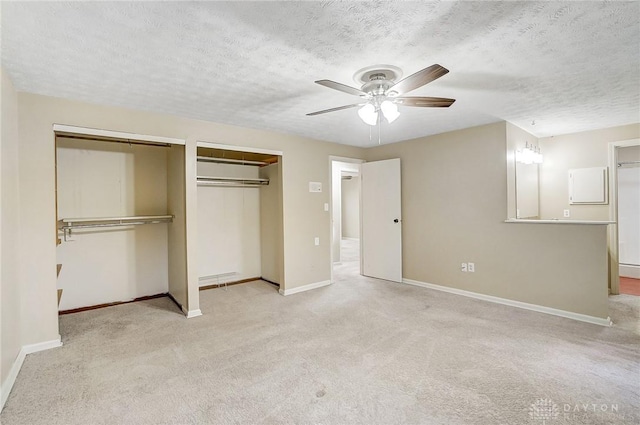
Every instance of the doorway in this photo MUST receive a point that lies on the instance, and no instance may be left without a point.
(628, 189)
(345, 218)
(624, 235)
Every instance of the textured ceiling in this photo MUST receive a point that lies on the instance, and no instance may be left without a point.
(570, 66)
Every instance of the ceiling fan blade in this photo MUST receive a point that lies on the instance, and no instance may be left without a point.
(424, 102)
(419, 79)
(339, 108)
(341, 87)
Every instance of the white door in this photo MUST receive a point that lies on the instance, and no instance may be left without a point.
(381, 220)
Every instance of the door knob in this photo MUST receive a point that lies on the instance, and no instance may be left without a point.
(396, 220)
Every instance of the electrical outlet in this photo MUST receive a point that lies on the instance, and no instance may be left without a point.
(316, 241)
(567, 213)
(463, 267)
(471, 267)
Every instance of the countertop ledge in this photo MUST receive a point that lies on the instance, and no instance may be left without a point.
(556, 221)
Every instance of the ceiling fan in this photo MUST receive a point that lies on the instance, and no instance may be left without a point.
(382, 92)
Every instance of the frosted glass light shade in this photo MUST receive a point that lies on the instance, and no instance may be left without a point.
(368, 114)
(389, 110)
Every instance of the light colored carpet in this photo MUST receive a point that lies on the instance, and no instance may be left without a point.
(361, 351)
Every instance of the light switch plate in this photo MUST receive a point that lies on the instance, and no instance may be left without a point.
(326, 206)
(316, 241)
(471, 267)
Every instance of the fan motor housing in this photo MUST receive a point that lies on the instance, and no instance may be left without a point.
(377, 79)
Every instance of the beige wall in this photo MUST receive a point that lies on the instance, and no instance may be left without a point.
(10, 330)
(271, 224)
(176, 237)
(454, 205)
(304, 217)
(351, 208)
(629, 153)
(577, 150)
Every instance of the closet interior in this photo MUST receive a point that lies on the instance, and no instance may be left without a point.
(120, 209)
(239, 200)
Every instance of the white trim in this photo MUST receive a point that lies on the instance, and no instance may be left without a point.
(513, 303)
(303, 288)
(41, 346)
(86, 131)
(193, 313)
(630, 270)
(189, 314)
(7, 385)
(203, 144)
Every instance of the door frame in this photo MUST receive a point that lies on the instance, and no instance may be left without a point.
(613, 248)
(333, 159)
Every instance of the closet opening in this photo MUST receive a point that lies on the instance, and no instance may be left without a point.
(119, 208)
(239, 203)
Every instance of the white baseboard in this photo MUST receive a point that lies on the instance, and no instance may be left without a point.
(304, 288)
(41, 346)
(7, 385)
(629, 270)
(193, 313)
(513, 303)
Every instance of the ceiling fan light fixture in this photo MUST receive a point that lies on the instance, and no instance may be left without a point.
(368, 114)
(389, 110)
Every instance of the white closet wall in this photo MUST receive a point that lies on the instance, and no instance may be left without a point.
(228, 226)
(106, 179)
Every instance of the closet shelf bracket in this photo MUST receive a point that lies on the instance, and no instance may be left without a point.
(68, 224)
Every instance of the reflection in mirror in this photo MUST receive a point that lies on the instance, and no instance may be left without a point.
(527, 194)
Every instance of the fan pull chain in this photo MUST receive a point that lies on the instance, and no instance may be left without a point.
(379, 127)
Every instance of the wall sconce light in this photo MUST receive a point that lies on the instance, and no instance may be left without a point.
(529, 155)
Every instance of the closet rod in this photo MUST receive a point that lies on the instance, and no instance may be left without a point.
(623, 163)
(106, 219)
(232, 180)
(222, 184)
(230, 161)
(84, 223)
